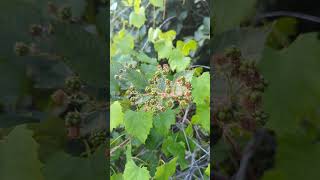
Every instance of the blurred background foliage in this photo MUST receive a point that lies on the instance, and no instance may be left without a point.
(286, 48)
(71, 41)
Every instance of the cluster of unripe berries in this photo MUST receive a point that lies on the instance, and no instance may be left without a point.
(121, 74)
(245, 103)
(62, 13)
(162, 93)
(97, 137)
(75, 99)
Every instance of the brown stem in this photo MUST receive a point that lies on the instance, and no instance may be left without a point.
(124, 143)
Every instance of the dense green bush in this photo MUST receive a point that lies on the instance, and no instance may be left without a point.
(160, 97)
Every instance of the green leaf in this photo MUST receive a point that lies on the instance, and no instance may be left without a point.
(50, 135)
(176, 149)
(178, 61)
(157, 3)
(142, 57)
(12, 87)
(137, 79)
(201, 88)
(101, 20)
(153, 34)
(138, 124)
(185, 48)
(292, 97)
(168, 36)
(11, 119)
(19, 156)
(82, 51)
(207, 171)
(118, 176)
(124, 42)
(148, 70)
(137, 19)
(128, 2)
(136, 6)
(251, 41)
(294, 154)
(165, 171)
(202, 116)
(293, 84)
(133, 172)
(93, 167)
(163, 48)
(227, 17)
(164, 120)
(116, 115)
(283, 29)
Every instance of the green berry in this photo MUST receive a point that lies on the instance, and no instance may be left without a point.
(73, 83)
(233, 53)
(22, 49)
(183, 103)
(170, 104)
(36, 30)
(65, 13)
(73, 118)
(168, 82)
(221, 115)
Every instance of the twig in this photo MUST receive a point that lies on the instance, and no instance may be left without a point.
(247, 154)
(289, 14)
(165, 21)
(185, 115)
(124, 143)
(206, 67)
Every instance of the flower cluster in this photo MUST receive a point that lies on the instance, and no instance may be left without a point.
(245, 86)
(74, 99)
(162, 92)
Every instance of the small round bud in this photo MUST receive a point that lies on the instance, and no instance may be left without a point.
(168, 82)
(65, 13)
(159, 68)
(153, 92)
(157, 74)
(133, 99)
(21, 49)
(78, 99)
(59, 97)
(36, 30)
(187, 93)
(233, 53)
(166, 68)
(73, 83)
(170, 104)
(50, 29)
(254, 96)
(188, 85)
(52, 8)
(73, 118)
(147, 89)
(221, 115)
(183, 103)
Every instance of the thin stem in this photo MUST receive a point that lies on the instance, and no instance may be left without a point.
(206, 67)
(117, 139)
(289, 14)
(124, 143)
